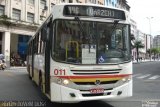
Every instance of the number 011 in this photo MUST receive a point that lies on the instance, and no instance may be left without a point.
(59, 72)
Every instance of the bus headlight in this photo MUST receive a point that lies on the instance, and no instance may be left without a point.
(60, 81)
(65, 82)
(126, 79)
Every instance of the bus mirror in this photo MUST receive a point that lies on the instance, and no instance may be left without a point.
(44, 34)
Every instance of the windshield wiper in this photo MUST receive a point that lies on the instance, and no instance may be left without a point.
(82, 30)
(80, 25)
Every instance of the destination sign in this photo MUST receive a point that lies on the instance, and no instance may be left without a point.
(92, 11)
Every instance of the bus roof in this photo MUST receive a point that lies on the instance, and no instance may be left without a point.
(87, 11)
(87, 4)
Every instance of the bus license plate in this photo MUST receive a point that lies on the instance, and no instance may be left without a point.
(96, 91)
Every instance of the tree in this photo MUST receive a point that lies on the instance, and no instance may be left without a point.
(138, 44)
(155, 51)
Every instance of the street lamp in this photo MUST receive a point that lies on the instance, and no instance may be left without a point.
(149, 19)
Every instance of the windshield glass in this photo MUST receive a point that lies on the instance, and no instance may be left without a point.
(97, 43)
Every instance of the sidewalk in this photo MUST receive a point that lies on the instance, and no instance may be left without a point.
(15, 68)
(143, 61)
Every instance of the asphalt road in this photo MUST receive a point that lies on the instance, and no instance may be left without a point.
(146, 86)
(16, 86)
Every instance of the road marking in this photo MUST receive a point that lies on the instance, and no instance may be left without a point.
(144, 76)
(154, 77)
(136, 75)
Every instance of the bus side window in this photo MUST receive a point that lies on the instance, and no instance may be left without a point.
(34, 45)
(41, 43)
(44, 33)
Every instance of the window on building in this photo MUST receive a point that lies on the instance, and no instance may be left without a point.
(70, 1)
(43, 4)
(18, 0)
(42, 18)
(52, 4)
(112, 3)
(31, 2)
(94, 1)
(16, 14)
(107, 2)
(30, 17)
(1, 10)
(1, 36)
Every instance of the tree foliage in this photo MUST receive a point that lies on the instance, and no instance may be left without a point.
(155, 50)
(138, 44)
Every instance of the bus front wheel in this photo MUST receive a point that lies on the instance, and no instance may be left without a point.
(40, 81)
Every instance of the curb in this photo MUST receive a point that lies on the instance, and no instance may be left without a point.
(144, 62)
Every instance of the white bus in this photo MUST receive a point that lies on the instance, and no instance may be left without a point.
(82, 52)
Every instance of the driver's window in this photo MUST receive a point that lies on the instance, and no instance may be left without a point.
(104, 42)
(119, 39)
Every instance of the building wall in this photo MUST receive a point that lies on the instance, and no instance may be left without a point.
(112, 3)
(156, 41)
(122, 4)
(142, 37)
(24, 6)
(133, 32)
(3, 2)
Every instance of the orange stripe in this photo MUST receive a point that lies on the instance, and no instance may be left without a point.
(93, 76)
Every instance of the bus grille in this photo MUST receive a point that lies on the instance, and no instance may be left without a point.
(93, 83)
(95, 72)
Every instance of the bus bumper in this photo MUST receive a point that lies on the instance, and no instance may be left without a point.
(60, 93)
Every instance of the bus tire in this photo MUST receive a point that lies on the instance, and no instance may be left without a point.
(29, 76)
(40, 81)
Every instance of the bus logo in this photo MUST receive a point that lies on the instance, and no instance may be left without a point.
(98, 82)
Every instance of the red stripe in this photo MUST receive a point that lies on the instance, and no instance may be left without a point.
(94, 76)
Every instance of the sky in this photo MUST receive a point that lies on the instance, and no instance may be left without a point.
(140, 10)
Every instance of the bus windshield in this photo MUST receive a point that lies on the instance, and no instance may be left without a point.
(97, 43)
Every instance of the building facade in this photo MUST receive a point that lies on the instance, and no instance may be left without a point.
(19, 20)
(148, 45)
(142, 37)
(134, 33)
(122, 4)
(156, 41)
